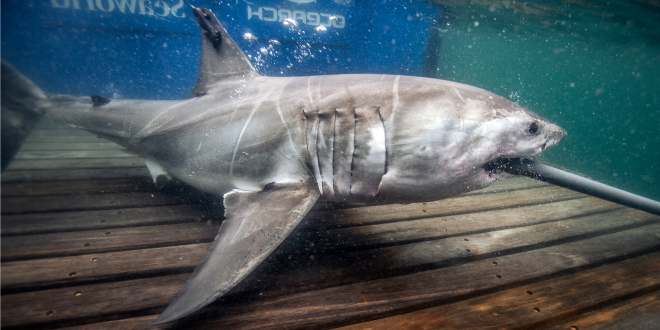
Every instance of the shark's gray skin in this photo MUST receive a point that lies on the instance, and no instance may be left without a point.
(273, 146)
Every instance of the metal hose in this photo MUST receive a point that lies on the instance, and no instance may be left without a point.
(571, 181)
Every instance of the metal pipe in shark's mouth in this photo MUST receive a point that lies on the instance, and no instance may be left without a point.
(571, 181)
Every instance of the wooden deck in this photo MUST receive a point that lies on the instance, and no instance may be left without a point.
(88, 243)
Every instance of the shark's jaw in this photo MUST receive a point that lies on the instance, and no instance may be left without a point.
(491, 170)
(503, 165)
(494, 169)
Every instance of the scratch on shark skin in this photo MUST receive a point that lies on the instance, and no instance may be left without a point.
(459, 94)
(288, 132)
(128, 132)
(395, 95)
(151, 126)
(240, 136)
(318, 88)
(296, 159)
(309, 92)
(279, 112)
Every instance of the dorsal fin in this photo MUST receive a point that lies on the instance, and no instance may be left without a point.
(221, 57)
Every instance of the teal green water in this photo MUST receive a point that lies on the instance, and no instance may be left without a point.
(593, 71)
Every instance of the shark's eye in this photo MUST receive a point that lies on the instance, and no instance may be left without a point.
(533, 127)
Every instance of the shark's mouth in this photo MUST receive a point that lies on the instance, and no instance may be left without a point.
(516, 166)
(495, 168)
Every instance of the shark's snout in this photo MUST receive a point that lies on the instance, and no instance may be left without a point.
(548, 135)
(554, 136)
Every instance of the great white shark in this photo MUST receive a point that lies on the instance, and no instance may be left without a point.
(273, 146)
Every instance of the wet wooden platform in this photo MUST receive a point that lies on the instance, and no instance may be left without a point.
(88, 243)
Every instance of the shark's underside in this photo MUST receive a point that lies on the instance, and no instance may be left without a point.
(272, 146)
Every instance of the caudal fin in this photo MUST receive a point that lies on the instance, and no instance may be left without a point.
(22, 107)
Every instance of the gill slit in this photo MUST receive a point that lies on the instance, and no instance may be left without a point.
(355, 133)
(318, 159)
(380, 115)
(288, 131)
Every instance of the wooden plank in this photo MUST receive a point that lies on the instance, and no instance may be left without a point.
(45, 146)
(451, 206)
(65, 164)
(393, 294)
(637, 313)
(77, 187)
(439, 227)
(12, 189)
(509, 183)
(89, 303)
(465, 246)
(39, 273)
(46, 123)
(369, 235)
(58, 154)
(26, 224)
(69, 131)
(136, 323)
(26, 204)
(37, 137)
(145, 184)
(351, 267)
(61, 130)
(78, 174)
(538, 304)
(99, 241)
(354, 302)
(21, 205)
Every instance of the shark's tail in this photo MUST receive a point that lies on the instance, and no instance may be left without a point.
(23, 104)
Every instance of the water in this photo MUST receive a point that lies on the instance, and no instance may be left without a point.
(591, 67)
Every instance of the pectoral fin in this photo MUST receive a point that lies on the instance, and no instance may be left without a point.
(256, 223)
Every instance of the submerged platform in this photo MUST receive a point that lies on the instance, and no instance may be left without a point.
(89, 243)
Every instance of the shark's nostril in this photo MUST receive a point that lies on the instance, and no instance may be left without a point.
(543, 146)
